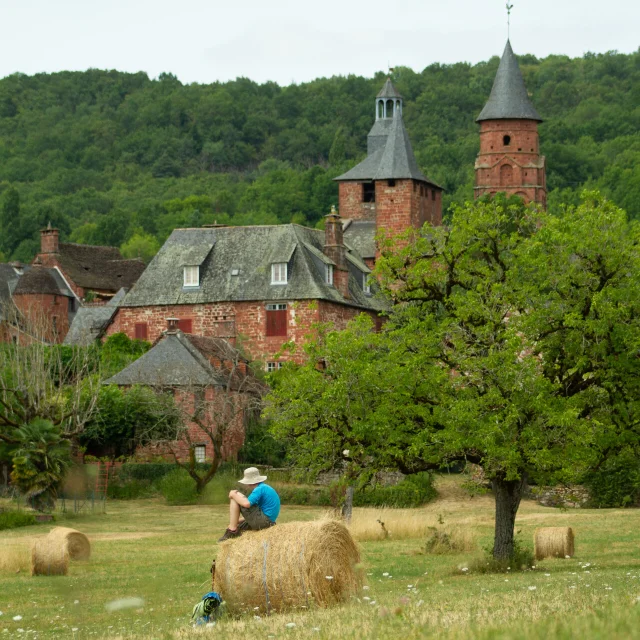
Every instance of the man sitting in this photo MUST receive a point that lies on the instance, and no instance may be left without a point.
(259, 511)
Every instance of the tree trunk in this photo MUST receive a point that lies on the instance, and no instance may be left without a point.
(508, 495)
(347, 509)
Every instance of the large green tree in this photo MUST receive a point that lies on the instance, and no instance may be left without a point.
(512, 343)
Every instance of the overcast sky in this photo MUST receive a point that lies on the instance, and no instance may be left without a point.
(297, 40)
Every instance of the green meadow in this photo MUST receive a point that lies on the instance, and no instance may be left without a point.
(160, 554)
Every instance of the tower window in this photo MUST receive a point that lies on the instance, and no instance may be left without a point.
(391, 183)
(369, 192)
(389, 108)
(380, 108)
(506, 140)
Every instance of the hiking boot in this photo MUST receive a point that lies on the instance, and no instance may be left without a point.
(228, 534)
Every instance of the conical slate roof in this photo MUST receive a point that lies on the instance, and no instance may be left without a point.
(394, 161)
(509, 98)
(388, 91)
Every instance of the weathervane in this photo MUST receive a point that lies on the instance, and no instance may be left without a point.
(509, 7)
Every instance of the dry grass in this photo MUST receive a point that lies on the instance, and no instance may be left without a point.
(14, 558)
(396, 524)
(49, 558)
(77, 543)
(450, 539)
(288, 566)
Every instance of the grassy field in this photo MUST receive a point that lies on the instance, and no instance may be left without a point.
(162, 554)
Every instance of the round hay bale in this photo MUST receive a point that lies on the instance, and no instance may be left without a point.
(77, 543)
(287, 566)
(49, 558)
(553, 542)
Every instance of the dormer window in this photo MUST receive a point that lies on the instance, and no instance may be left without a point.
(279, 273)
(366, 287)
(328, 273)
(192, 276)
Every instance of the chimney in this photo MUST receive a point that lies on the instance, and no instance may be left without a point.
(49, 240)
(334, 248)
(172, 325)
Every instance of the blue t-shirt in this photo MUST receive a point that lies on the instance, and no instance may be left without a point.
(267, 499)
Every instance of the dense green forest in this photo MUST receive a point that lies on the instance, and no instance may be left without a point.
(116, 158)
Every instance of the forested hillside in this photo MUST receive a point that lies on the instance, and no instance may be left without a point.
(119, 159)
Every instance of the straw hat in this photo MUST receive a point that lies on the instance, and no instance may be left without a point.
(252, 476)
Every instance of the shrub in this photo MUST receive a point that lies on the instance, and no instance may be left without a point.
(178, 488)
(615, 484)
(448, 540)
(131, 490)
(310, 496)
(413, 491)
(217, 491)
(522, 559)
(14, 519)
(149, 471)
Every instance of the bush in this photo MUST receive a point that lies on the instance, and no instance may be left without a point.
(217, 491)
(413, 491)
(178, 488)
(149, 471)
(310, 496)
(522, 559)
(14, 519)
(448, 540)
(616, 484)
(131, 490)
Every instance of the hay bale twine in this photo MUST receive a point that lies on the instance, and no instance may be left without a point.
(77, 543)
(49, 558)
(553, 542)
(288, 566)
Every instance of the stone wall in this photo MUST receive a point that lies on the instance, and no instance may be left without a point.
(571, 497)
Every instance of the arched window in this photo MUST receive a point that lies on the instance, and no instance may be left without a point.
(506, 174)
(398, 105)
(506, 140)
(380, 108)
(389, 108)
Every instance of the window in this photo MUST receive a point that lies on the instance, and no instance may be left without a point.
(192, 276)
(368, 192)
(70, 305)
(276, 319)
(185, 325)
(391, 183)
(506, 140)
(433, 194)
(141, 331)
(328, 273)
(274, 366)
(366, 287)
(381, 109)
(200, 451)
(279, 273)
(389, 108)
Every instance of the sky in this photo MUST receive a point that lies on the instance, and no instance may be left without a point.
(296, 40)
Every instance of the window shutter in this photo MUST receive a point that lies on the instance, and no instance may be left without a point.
(185, 325)
(141, 331)
(277, 323)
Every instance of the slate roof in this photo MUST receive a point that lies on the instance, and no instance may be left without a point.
(248, 252)
(177, 360)
(395, 160)
(43, 280)
(90, 322)
(388, 90)
(9, 277)
(509, 99)
(361, 236)
(101, 268)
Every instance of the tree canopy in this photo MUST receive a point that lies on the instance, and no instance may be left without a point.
(512, 344)
(121, 159)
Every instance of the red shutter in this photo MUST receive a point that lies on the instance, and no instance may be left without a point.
(141, 331)
(277, 323)
(185, 325)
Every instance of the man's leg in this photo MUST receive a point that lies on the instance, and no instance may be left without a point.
(234, 515)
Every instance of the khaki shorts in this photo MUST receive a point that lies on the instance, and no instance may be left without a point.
(255, 519)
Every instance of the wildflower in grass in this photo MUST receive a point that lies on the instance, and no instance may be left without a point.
(372, 602)
(17, 618)
(76, 602)
(329, 577)
(316, 629)
(386, 574)
(74, 628)
(547, 574)
(532, 588)
(257, 618)
(290, 625)
(366, 598)
(366, 587)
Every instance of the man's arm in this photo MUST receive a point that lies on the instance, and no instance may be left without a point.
(240, 498)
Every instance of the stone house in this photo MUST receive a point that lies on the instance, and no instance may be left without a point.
(212, 385)
(261, 286)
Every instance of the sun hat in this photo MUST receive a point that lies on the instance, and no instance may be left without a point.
(252, 476)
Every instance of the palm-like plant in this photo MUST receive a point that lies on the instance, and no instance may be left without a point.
(40, 463)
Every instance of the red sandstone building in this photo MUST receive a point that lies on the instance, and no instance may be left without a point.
(509, 160)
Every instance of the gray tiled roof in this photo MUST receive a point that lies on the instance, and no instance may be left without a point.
(42, 280)
(172, 362)
(90, 322)
(361, 235)
(249, 253)
(395, 160)
(388, 90)
(509, 98)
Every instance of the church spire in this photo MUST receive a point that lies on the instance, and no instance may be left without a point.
(509, 99)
